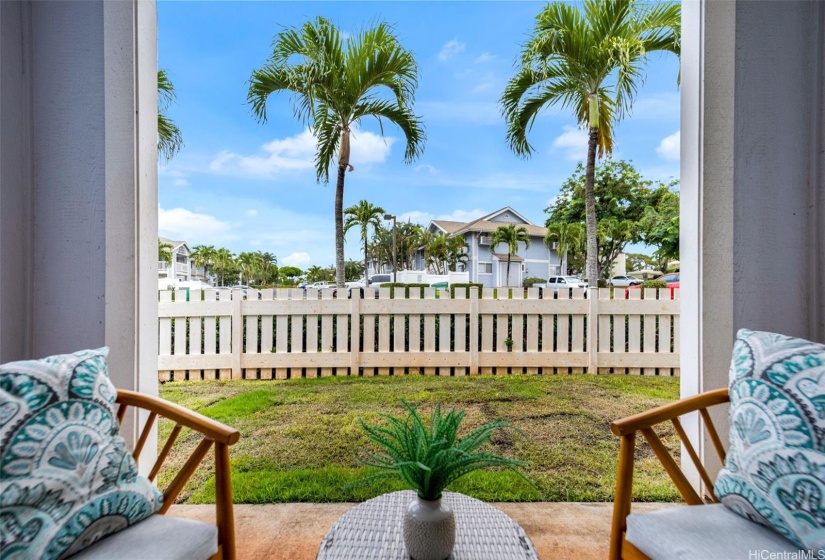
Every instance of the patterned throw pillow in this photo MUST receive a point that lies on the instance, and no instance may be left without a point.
(66, 477)
(775, 468)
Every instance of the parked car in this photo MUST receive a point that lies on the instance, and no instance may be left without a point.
(624, 281)
(377, 279)
(557, 282)
(671, 279)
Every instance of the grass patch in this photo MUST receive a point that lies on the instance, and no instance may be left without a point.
(298, 436)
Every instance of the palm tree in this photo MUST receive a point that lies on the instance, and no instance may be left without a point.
(364, 215)
(224, 262)
(457, 252)
(170, 140)
(511, 236)
(164, 252)
(269, 267)
(590, 62)
(567, 236)
(250, 264)
(336, 82)
(203, 256)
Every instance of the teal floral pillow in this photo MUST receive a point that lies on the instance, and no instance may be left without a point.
(775, 468)
(66, 477)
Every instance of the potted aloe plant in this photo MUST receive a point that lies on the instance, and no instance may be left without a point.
(427, 455)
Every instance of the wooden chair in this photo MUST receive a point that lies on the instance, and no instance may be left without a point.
(214, 433)
(627, 428)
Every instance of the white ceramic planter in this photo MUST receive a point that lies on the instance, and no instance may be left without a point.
(429, 529)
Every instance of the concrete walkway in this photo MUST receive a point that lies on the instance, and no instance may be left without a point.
(579, 531)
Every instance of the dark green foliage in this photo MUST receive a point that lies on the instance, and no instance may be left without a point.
(428, 455)
(530, 282)
(466, 287)
(406, 286)
(654, 284)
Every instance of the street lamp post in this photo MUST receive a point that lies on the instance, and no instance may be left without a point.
(394, 258)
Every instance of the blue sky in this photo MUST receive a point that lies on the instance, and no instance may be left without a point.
(248, 187)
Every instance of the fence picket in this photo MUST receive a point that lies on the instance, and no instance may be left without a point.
(604, 329)
(444, 331)
(577, 325)
(486, 331)
(429, 330)
(210, 340)
(532, 335)
(460, 332)
(165, 333)
(384, 329)
(369, 332)
(225, 334)
(634, 342)
(649, 343)
(311, 332)
(326, 332)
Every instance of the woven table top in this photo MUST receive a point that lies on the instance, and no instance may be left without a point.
(372, 530)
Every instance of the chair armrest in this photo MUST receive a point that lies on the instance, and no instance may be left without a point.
(627, 428)
(212, 429)
(667, 412)
(214, 433)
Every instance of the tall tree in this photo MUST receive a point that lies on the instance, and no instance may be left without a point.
(591, 61)
(568, 237)
(250, 265)
(170, 140)
(364, 214)
(223, 264)
(457, 252)
(336, 82)
(203, 256)
(268, 264)
(164, 252)
(660, 228)
(511, 236)
(622, 197)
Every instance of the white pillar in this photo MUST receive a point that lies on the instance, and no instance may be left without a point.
(79, 184)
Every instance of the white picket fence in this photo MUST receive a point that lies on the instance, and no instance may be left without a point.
(286, 334)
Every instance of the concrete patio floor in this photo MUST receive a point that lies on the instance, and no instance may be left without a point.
(577, 531)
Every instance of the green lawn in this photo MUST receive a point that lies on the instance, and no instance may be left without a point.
(298, 436)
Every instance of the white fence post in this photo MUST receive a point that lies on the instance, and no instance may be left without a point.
(593, 331)
(237, 333)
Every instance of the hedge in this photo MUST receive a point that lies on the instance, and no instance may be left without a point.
(466, 287)
(529, 282)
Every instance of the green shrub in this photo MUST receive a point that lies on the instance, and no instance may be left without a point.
(654, 284)
(602, 283)
(466, 287)
(529, 282)
(406, 286)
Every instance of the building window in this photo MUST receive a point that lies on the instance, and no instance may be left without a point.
(485, 268)
(181, 258)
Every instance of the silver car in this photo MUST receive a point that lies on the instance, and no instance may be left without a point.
(556, 282)
(624, 281)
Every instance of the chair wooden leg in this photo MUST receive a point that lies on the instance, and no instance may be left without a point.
(223, 502)
(623, 495)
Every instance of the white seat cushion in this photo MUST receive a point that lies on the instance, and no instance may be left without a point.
(702, 533)
(159, 537)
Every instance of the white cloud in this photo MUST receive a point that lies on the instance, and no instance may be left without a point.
(180, 182)
(485, 57)
(296, 153)
(195, 228)
(450, 49)
(669, 147)
(426, 168)
(251, 212)
(424, 218)
(301, 260)
(658, 106)
(481, 112)
(573, 142)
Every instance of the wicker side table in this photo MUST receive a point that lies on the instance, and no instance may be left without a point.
(372, 530)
